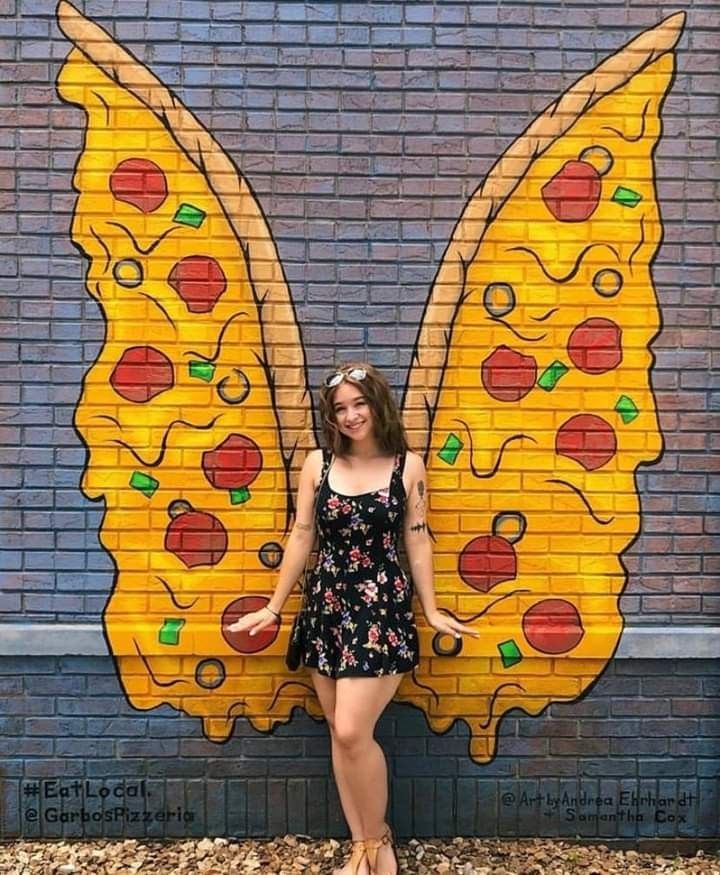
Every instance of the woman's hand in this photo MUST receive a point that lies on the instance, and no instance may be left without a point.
(255, 621)
(449, 625)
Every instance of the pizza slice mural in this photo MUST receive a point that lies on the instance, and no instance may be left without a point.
(530, 394)
(196, 413)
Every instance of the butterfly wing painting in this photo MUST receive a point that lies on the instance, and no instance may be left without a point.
(196, 413)
(529, 394)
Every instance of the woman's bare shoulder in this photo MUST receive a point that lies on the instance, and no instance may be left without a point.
(313, 462)
(414, 465)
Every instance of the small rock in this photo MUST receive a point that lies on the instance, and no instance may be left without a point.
(203, 848)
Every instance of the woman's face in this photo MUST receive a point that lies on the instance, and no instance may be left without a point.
(353, 414)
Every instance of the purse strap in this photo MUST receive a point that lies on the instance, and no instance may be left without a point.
(327, 462)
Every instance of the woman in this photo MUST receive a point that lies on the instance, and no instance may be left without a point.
(358, 629)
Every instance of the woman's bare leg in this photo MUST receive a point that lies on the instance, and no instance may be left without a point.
(359, 702)
(325, 689)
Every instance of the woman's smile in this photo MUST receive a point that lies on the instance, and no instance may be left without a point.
(352, 411)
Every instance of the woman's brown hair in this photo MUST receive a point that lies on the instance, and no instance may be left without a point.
(389, 428)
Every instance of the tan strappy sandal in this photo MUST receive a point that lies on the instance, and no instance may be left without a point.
(372, 846)
(358, 855)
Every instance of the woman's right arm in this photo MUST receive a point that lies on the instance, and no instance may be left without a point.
(297, 549)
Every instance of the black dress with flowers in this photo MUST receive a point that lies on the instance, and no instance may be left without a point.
(358, 617)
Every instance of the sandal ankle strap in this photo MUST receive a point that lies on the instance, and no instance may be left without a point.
(373, 845)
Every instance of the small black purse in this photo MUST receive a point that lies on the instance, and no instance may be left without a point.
(294, 648)
(295, 642)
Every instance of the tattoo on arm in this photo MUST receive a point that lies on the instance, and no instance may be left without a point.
(420, 504)
(419, 527)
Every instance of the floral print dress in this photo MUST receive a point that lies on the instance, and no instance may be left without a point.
(358, 617)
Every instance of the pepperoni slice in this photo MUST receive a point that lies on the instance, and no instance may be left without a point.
(141, 374)
(553, 626)
(243, 642)
(196, 538)
(573, 194)
(139, 182)
(595, 346)
(586, 439)
(508, 375)
(486, 561)
(199, 280)
(235, 463)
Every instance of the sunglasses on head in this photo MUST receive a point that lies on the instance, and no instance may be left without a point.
(353, 373)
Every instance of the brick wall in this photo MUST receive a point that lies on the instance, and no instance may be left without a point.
(363, 130)
(640, 732)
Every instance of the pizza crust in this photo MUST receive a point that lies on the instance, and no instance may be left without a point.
(276, 312)
(429, 358)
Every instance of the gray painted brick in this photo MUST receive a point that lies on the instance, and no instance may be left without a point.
(498, 767)
(175, 768)
(615, 728)
(109, 769)
(422, 806)
(169, 727)
(10, 602)
(216, 793)
(294, 768)
(272, 747)
(256, 808)
(55, 726)
(669, 727)
(45, 685)
(26, 747)
(96, 706)
(21, 665)
(546, 768)
(11, 726)
(709, 727)
(232, 768)
(9, 808)
(85, 747)
(670, 767)
(13, 768)
(708, 768)
(150, 748)
(638, 746)
(316, 811)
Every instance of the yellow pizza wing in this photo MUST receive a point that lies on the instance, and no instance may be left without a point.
(196, 413)
(530, 396)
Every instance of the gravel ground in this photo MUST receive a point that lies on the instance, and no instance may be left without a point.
(300, 854)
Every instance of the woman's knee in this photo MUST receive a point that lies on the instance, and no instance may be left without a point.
(349, 736)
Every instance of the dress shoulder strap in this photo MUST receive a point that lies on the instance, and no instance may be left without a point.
(397, 476)
(326, 460)
(326, 457)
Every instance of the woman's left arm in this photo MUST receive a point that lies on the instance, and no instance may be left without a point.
(418, 547)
